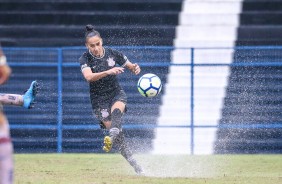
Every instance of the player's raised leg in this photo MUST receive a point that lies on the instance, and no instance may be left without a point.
(115, 127)
(25, 100)
(107, 144)
(29, 96)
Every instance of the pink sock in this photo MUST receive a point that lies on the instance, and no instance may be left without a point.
(6, 161)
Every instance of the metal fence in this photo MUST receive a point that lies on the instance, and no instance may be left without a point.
(64, 58)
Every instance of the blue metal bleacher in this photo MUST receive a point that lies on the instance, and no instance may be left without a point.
(253, 94)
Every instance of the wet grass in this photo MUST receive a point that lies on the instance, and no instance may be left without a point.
(159, 169)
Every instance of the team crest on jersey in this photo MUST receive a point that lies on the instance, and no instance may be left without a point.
(111, 62)
(104, 113)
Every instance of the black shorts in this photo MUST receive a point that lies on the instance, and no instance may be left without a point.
(102, 105)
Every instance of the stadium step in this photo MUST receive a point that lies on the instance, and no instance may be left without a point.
(102, 5)
(262, 5)
(59, 42)
(120, 23)
(270, 18)
(97, 18)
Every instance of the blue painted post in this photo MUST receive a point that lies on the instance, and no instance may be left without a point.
(60, 109)
(192, 101)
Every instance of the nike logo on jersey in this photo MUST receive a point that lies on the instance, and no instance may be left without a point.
(83, 66)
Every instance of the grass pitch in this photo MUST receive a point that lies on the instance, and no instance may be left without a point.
(159, 169)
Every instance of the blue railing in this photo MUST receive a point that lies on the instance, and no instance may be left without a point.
(60, 64)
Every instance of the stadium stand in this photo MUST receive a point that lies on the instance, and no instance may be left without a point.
(253, 94)
(61, 23)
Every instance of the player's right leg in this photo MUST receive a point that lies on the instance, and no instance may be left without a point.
(108, 144)
(29, 96)
(25, 100)
(11, 99)
(6, 152)
(109, 139)
(115, 128)
(102, 113)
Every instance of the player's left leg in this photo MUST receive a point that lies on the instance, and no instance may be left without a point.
(127, 153)
(6, 152)
(25, 100)
(6, 161)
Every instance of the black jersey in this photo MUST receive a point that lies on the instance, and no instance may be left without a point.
(108, 84)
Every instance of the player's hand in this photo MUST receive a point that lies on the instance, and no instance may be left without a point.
(136, 69)
(5, 72)
(115, 71)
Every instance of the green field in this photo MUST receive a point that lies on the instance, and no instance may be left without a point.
(113, 169)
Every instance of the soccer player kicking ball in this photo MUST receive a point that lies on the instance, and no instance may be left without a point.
(108, 99)
(26, 100)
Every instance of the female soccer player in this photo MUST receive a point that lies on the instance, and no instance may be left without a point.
(108, 99)
(26, 100)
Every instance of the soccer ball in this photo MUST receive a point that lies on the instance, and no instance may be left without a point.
(149, 85)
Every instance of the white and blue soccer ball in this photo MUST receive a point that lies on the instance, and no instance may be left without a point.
(149, 85)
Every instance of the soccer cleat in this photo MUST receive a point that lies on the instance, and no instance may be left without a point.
(29, 95)
(139, 170)
(107, 144)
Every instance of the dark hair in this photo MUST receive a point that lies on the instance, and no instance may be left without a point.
(90, 31)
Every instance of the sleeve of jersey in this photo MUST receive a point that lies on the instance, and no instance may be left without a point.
(83, 63)
(122, 59)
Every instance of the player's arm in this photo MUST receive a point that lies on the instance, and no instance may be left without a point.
(91, 77)
(124, 62)
(133, 67)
